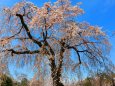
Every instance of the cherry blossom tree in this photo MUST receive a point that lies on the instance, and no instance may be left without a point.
(49, 37)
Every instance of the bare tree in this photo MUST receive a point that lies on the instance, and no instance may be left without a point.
(51, 39)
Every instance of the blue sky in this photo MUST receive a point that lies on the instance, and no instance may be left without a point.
(97, 12)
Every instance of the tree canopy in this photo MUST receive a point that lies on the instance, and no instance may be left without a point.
(52, 40)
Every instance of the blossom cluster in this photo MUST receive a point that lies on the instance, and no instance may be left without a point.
(54, 14)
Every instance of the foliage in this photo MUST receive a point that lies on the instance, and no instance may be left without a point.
(87, 82)
(100, 79)
(24, 82)
(5, 80)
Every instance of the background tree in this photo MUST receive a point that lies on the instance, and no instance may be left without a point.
(52, 40)
(5, 80)
(24, 82)
(87, 82)
(107, 79)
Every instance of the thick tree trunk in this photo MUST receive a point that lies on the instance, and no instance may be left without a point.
(55, 74)
(56, 70)
(56, 79)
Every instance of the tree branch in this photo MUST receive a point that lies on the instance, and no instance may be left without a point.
(77, 51)
(22, 52)
(27, 30)
(59, 69)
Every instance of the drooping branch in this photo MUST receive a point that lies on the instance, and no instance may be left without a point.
(77, 51)
(13, 35)
(16, 33)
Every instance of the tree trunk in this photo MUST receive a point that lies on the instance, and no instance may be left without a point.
(113, 84)
(55, 74)
(56, 79)
(56, 70)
